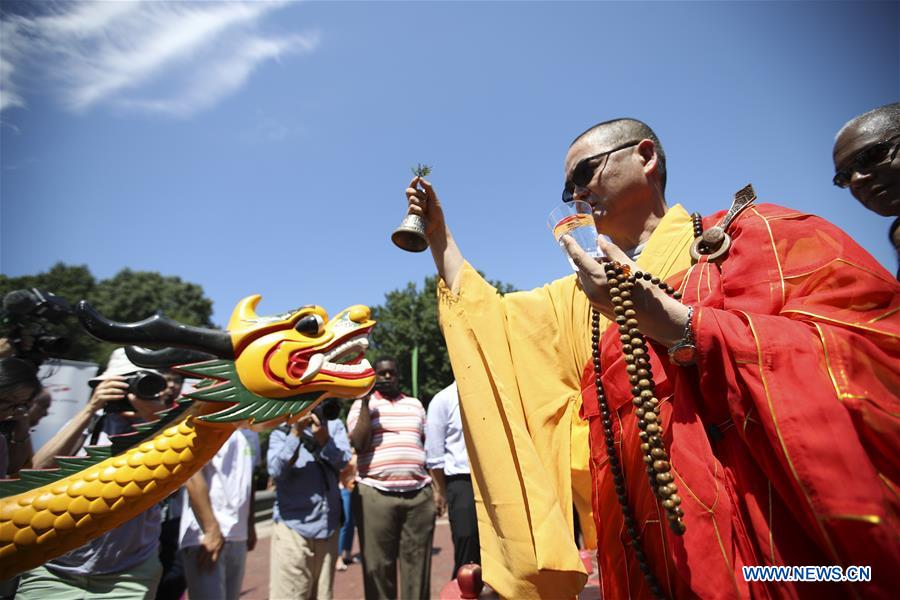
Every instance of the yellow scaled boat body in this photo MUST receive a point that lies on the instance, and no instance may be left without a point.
(269, 354)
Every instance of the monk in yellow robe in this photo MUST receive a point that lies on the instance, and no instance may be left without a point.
(779, 408)
(518, 360)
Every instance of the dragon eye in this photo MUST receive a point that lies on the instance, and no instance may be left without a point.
(310, 325)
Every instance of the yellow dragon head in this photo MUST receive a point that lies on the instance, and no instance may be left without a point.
(264, 367)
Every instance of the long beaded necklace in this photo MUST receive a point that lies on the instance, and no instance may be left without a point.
(634, 346)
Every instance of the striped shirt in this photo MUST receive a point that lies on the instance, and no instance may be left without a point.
(395, 460)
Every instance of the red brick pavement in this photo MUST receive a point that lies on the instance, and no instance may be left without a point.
(348, 585)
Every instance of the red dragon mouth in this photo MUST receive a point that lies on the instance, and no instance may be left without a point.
(343, 358)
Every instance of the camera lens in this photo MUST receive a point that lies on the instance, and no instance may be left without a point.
(145, 384)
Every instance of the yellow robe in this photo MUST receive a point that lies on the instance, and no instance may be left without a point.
(518, 361)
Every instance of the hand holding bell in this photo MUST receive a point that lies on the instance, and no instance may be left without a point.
(410, 235)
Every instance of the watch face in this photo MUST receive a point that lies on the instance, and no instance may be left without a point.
(684, 355)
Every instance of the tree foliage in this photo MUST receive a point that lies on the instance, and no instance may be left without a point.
(128, 296)
(409, 318)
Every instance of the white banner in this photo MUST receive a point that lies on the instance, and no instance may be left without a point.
(67, 382)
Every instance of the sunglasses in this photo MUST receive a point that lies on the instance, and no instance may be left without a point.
(865, 159)
(584, 172)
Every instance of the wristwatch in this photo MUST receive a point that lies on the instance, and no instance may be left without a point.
(683, 353)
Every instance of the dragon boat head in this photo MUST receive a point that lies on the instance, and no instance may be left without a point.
(264, 368)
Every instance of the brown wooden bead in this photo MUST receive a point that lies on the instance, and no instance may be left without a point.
(650, 417)
(661, 466)
(646, 394)
(652, 428)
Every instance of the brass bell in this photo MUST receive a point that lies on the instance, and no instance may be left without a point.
(410, 235)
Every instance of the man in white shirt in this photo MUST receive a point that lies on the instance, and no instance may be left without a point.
(216, 524)
(448, 463)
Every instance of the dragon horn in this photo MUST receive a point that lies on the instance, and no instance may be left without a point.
(165, 358)
(155, 331)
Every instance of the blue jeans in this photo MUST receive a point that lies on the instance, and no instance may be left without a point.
(224, 581)
(345, 540)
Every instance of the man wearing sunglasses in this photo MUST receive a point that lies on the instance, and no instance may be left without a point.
(772, 342)
(866, 161)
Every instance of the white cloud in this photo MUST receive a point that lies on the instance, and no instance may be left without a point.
(171, 58)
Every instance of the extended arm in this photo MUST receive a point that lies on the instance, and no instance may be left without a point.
(448, 258)
(361, 436)
(71, 437)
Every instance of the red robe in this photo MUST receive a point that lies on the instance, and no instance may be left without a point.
(784, 438)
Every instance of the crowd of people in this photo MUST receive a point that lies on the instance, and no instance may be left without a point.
(755, 380)
(198, 538)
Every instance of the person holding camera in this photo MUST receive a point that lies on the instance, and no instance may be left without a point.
(304, 460)
(18, 387)
(123, 563)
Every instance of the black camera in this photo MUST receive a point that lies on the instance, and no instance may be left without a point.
(143, 384)
(27, 317)
(327, 410)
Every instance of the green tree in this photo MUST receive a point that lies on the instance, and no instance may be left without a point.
(128, 296)
(409, 319)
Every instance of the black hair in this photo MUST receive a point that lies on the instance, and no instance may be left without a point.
(15, 371)
(624, 130)
(386, 358)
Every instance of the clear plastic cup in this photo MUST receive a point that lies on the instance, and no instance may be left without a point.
(577, 220)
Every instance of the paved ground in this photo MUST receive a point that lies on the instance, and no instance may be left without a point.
(348, 585)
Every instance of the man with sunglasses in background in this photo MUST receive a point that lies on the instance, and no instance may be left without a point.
(866, 161)
(779, 427)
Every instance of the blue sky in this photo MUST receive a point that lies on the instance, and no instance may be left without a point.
(265, 148)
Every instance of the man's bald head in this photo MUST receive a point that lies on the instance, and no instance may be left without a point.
(866, 159)
(878, 120)
(622, 131)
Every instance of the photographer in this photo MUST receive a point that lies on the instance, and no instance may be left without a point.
(304, 460)
(18, 386)
(122, 563)
(27, 321)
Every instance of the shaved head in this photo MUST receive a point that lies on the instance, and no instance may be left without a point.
(622, 131)
(879, 120)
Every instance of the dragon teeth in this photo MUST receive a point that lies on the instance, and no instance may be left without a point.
(312, 369)
(360, 344)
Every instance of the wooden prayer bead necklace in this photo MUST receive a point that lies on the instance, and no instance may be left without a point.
(622, 281)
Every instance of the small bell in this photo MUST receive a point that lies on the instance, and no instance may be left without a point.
(410, 235)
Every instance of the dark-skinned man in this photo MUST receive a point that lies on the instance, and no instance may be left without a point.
(866, 161)
(393, 501)
(756, 421)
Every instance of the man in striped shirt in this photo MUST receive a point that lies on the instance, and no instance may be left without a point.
(393, 501)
